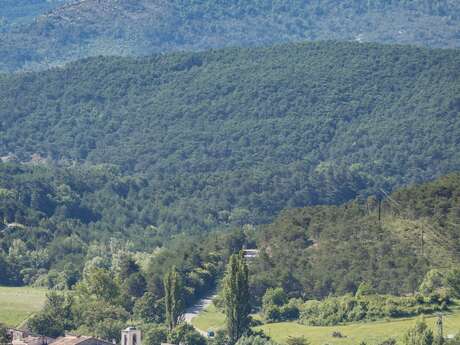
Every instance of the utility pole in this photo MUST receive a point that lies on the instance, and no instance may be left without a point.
(423, 243)
(439, 326)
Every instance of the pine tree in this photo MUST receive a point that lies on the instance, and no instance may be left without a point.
(173, 298)
(236, 297)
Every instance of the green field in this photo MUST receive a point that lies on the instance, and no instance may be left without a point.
(18, 303)
(371, 332)
(210, 318)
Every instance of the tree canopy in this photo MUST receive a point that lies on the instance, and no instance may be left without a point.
(414, 240)
(232, 137)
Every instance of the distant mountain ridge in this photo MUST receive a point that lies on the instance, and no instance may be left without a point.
(14, 12)
(139, 27)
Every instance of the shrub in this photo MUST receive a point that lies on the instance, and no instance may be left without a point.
(275, 296)
(389, 341)
(254, 340)
(276, 306)
(453, 282)
(420, 334)
(336, 310)
(337, 334)
(297, 341)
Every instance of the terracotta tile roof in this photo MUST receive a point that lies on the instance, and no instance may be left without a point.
(70, 340)
(75, 340)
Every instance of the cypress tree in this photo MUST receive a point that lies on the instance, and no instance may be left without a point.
(173, 298)
(236, 297)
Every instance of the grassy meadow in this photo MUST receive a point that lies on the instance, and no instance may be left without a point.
(208, 319)
(18, 303)
(371, 332)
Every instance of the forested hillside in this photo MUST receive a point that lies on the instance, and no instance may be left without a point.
(49, 217)
(56, 221)
(138, 27)
(231, 137)
(416, 230)
(82, 229)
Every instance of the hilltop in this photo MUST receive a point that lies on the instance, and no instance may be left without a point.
(16, 12)
(233, 136)
(85, 28)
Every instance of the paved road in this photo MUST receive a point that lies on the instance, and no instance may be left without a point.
(196, 309)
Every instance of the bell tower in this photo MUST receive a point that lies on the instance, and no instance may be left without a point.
(131, 336)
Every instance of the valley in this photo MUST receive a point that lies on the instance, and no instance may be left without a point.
(215, 172)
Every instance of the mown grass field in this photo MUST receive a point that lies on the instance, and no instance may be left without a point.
(371, 332)
(18, 303)
(210, 318)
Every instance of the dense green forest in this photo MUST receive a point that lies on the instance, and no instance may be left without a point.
(50, 217)
(415, 235)
(139, 27)
(53, 221)
(231, 137)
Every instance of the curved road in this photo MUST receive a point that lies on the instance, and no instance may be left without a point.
(197, 308)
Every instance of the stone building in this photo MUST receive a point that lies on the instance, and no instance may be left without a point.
(24, 337)
(131, 336)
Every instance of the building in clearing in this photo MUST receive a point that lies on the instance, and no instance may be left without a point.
(250, 254)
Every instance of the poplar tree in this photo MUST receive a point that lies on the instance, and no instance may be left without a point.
(173, 298)
(236, 297)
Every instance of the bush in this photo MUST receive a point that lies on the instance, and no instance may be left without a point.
(275, 297)
(336, 310)
(434, 279)
(276, 306)
(389, 341)
(187, 335)
(155, 335)
(337, 334)
(420, 334)
(453, 282)
(254, 340)
(4, 336)
(297, 341)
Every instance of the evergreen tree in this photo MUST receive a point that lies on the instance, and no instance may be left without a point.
(420, 334)
(236, 297)
(174, 303)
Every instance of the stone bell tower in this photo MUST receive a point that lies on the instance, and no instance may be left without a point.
(131, 336)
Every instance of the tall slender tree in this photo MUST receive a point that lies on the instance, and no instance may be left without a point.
(236, 297)
(174, 301)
